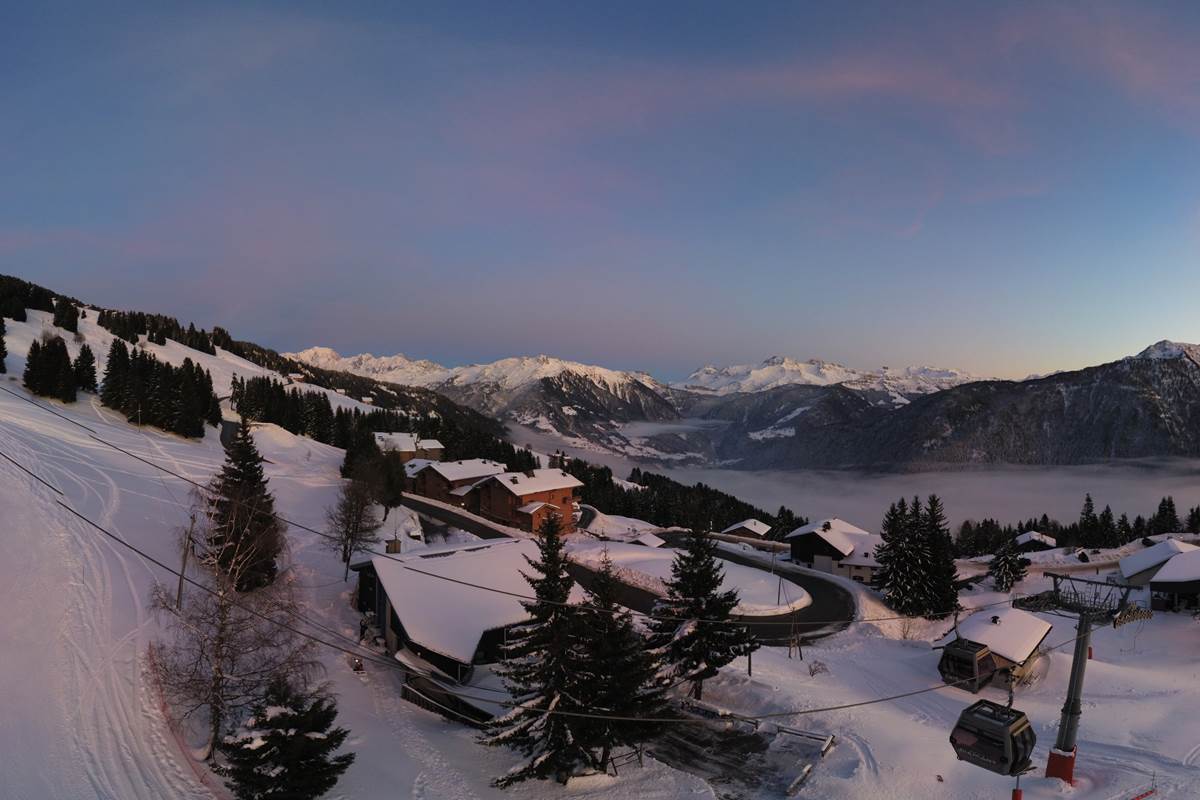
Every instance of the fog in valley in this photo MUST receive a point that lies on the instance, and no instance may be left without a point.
(1006, 493)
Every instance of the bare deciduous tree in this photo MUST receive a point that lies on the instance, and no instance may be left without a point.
(351, 521)
(224, 646)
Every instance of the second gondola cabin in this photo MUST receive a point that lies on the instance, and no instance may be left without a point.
(1010, 636)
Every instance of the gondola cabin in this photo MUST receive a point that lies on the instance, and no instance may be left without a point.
(995, 737)
(967, 665)
(1012, 636)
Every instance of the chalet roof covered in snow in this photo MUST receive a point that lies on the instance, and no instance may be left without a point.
(1014, 635)
(751, 526)
(523, 484)
(467, 470)
(405, 442)
(449, 618)
(1181, 568)
(1034, 536)
(412, 467)
(834, 525)
(530, 508)
(1153, 556)
(648, 539)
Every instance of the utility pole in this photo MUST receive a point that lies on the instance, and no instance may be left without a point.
(187, 548)
(1061, 763)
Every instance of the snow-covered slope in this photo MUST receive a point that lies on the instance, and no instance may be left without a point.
(394, 369)
(780, 371)
(1165, 349)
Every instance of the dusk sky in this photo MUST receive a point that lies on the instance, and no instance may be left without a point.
(656, 186)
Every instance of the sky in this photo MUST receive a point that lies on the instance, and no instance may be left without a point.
(1003, 188)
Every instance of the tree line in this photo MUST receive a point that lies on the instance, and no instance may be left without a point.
(130, 325)
(151, 392)
(16, 295)
(666, 502)
(1090, 531)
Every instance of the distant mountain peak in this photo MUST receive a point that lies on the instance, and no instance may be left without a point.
(778, 371)
(1166, 349)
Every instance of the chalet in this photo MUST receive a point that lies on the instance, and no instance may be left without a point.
(430, 617)
(411, 468)
(1177, 584)
(410, 447)
(1142, 567)
(449, 481)
(648, 539)
(526, 499)
(750, 528)
(1032, 541)
(1013, 636)
(835, 546)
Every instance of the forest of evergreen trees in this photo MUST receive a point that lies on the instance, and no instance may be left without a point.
(151, 392)
(129, 325)
(666, 502)
(17, 295)
(1092, 530)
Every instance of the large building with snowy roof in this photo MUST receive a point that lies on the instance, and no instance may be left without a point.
(1142, 567)
(526, 499)
(1033, 541)
(835, 546)
(445, 613)
(450, 481)
(1013, 636)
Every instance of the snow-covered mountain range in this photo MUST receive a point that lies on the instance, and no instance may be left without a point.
(780, 371)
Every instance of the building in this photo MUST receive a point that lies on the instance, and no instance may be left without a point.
(526, 499)
(648, 539)
(1012, 635)
(410, 447)
(835, 546)
(1177, 584)
(1032, 541)
(449, 481)
(750, 528)
(446, 613)
(1142, 567)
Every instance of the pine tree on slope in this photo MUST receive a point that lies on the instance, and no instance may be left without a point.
(244, 526)
(3, 349)
(116, 375)
(620, 675)
(542, 669)
(1007, 567)
(85, 369)
(904, 559)
(285, 750)
(66, 316)
(694, 638)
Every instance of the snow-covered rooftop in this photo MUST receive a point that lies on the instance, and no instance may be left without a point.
(1153, 556)
(448, 617)
(538, 480)
(752, 525)
(1182, 568)
(833, 524)
(413, 466)
(1015, 634)
(469, 469)
(648, 539)
(405, 442)
(530, 508)
(856, 545)
(1034, 536)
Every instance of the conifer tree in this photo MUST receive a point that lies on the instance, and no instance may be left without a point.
(620, 675)
(943, 575)
(1007, 567)
(48, 369)
(1124, 529)
(286, 749)
(244, 526)
(32, 377)
(694, 637)
(66, 316)
(116, 375)
(542, 670)
(904, 557)
(1088, 523)
(1106, 529)
(3, 348)
(85, 369)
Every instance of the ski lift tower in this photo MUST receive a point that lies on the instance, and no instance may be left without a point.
(1092, 601)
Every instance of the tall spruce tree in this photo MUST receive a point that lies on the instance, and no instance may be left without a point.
(85, 369)
(543, 668)
(244, 526)
(693, 636)
(116, 375)
(943, 575)
(620, 674)
(1007, 567)
(1089, 523)
(48, 370)
(3, 348)
(904, 559)
(286, 749)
